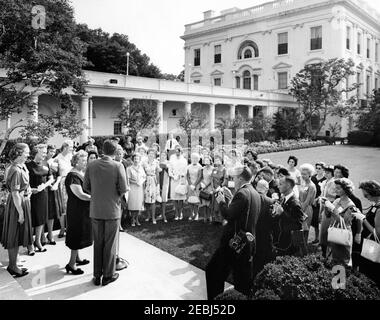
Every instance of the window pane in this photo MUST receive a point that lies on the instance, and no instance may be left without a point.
(316, 38)
(359, 43)
(247, 83)
(218, 49)
(348, 38)
(247, 54)
(282, 80)
(237, 82)
(283, 48)
(117, 128)
(255, 82)
(197, 57)
(283, 38)
(218, 82)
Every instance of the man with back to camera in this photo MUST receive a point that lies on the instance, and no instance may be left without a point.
(105, 180)
(245, 202)
(290, 216)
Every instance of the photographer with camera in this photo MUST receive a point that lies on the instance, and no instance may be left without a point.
(237, 246)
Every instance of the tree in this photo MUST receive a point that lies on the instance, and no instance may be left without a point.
(260, 125)
(141, 115)
(193, 120)
(369, 116)
(319, 89)
(40, 53)
(107, 53)
(287, 125)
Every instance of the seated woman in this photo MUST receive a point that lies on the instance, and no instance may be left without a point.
(343, 207)
(79, 229)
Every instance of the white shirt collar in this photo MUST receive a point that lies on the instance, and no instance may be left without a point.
(288, 196)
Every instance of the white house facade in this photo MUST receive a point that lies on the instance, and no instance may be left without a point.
(263, 47)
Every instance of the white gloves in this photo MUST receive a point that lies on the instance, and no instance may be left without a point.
(358, 215)
(329, 205)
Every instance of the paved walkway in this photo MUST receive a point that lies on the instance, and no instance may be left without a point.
(152, 275)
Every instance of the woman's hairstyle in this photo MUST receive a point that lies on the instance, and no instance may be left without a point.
(346, 184)
(320, 164)
(195, 155)
(51, 147)
(151, 150)
(207, 157)
(76, 157)
(308, 167)
(329, 169)
(135, 155)
(260, 163)
(253, 154)
(233, 152)
(37, 148)
(283, 171)
(17, 150)
(91, 140)
(295, 159)
(218, 156)
(345, 171)
(67, 143)
(178, 148)
(91, 153)
(372, 187)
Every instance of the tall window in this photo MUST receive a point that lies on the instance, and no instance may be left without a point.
(348, 38)
(237, 79)
(316, 38)
(282, 80)
(247, 80)
(247, 53)
(368, 48)
(218, 54)
(377, 52)
(117, 128)
(197, 57)
(217, 82)
(255, 82)
(368, 85)
(376, 84)
(283, 43)
(359, 42)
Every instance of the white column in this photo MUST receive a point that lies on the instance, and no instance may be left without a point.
(33, 108)
(84, 117)
(90, 118)
(8, 123)
(344, 125)
(160, 112)
(188, 107)
(232, 111)
(212, 116)
(250, 112)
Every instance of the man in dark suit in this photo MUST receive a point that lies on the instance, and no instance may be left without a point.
(105, 180)
(241, 214)
(290, 217)
(265, 252)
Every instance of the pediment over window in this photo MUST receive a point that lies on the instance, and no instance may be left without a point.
(313, 61)
(369, 69)
(282, 65)
(196, 75)
(216, 73)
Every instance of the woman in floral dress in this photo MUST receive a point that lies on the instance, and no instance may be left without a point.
(151, 167)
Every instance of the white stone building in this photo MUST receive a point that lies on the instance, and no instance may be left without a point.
(263, 47)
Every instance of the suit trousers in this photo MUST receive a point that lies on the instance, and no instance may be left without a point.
(220, 266)
(106, 234)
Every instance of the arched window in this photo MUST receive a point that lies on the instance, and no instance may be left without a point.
(247, 80)
(247, 53)
(245, 46)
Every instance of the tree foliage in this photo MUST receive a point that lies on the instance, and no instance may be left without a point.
(141, 115)
(45, 60)
(319, 89)
(369, 116)
(288, 125)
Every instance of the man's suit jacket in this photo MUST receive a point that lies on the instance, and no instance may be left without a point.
(105, 179)
(290, 220)
(236, 212)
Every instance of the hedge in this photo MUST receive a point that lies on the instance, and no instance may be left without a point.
(307, 278)
(361, 138)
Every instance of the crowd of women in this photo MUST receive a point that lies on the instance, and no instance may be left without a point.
(45, 185)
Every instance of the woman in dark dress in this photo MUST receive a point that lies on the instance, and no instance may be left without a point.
(40, 179)
(371, 223)
(79, 231)
(17, 228)
(129, 146)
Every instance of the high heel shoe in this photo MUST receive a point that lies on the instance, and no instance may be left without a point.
(51, 242)
(39, 249)
(73, 271)
(82, 262)
(31, 253)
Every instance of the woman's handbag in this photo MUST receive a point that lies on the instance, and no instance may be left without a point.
(371, 249)
(337, 235)
(205, 195)
(181, 189)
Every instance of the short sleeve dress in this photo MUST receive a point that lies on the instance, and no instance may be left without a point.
(56, 207)
(79, 229)
(136, 178)
(15, 234)
(39, 174)
(193, 172)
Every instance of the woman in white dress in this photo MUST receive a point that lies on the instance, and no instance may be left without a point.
(295, 173)
(194, 176)
(151, 168)
(178, 183)
(136, 180)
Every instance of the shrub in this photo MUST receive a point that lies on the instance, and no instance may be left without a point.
(360, 138)
(231, 295)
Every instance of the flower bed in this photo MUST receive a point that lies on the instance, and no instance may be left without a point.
(283, 145)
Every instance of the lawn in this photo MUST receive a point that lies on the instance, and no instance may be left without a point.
(195, 242)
